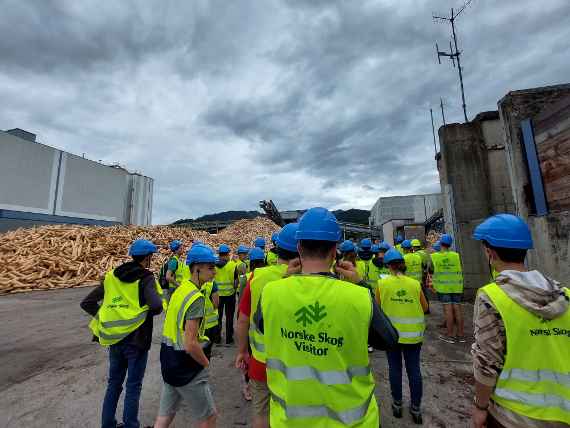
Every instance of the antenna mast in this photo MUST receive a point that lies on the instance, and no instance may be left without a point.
(454, 54)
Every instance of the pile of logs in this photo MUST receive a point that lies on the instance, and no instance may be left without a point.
(52, 257)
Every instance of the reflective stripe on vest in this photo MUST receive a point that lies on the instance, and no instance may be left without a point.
(120, 313)
(318, 368)
(447, 274)
(224, 279)
(261, 277)
(400, 299)
(533, 384)
(346, 417)
(211, 313)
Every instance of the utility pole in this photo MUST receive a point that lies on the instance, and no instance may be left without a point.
(433, 131)
(442, 112)
(454, 54)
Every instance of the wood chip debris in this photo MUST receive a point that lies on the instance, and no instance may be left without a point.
(67, 256)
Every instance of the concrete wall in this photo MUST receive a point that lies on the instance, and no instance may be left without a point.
(43, 181)
(416, 208)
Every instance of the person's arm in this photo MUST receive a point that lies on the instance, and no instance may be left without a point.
(151, 296)
(481, 402)
(349, 272)
(191, 344)
(381, 334)
(424, 302)
(243, 328)
(90, 303)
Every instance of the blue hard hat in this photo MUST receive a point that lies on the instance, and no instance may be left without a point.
(142, 247)
(274, 236)
(504, 231)
(399, 239)
(242, 249)
(446, 239)
(200, 253)
(318, 224)
(198, 242)
(286, 237)
(256, 254)
(384, 246)
(175, 245)
(437, 246)
(375, 249)
(366, 244)
(347, 246)
(393, 255)
(259, 242)
(407, 244)
(223, 249)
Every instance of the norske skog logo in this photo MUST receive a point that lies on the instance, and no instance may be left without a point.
(310, 313)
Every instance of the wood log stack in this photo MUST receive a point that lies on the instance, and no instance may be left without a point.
(66, 256)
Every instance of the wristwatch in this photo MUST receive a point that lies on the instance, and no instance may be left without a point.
(480, 406)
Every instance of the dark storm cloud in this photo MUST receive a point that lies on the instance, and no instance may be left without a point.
(306, 102)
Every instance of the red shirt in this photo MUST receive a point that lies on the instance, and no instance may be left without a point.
(256, 369)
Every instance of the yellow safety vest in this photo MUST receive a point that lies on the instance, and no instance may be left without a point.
(400, 301)
(173, 330)
(120, 314)
(261, 277)
(211, 313)
(414, 266)
(447, 274)
(535, 380)
(376, 273)
(224, 279)
(316, 336)
(424, 256)
(399, 248)
(242, 277)
(363, 269)
(271, 258)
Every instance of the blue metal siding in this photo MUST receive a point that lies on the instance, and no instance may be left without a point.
(52, 219)
(534, 168)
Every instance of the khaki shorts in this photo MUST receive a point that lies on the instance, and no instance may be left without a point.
(260, 401)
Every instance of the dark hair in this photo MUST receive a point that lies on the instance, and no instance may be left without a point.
(398, 265)
(191, 265)
(508, 255)
(316, 249)
(139, 259)
(254, 264)
(284, 254)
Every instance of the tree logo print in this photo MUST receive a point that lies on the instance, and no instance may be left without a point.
(311, 313)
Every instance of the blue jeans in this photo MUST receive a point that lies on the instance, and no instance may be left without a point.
(411, 354)
(124, 358)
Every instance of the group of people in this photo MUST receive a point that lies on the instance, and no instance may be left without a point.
(311, 310)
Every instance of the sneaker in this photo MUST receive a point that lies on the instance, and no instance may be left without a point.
(447, 339)
(461, 339)
(397, 410)
(416, 416)
(370, 349)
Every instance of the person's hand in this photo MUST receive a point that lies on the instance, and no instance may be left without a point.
(348, 271)
(294, 266)
(242, 359)
(479, 417)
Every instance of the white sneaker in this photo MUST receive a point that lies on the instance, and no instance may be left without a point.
(370, 349)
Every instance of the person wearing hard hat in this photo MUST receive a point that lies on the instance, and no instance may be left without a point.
(348, 252)
(363, 262)
(241, 269)
(417, 248)
(257, 260)
(315, 331)
(521, 323)
(185, 350)
(130, 297)
(447, 280)
(398, 242)
(176, 269)
(413, 261)
(378, 269)
(402, 300)
(271, 258)
(259, 242)
(287, 262)
(226, 285)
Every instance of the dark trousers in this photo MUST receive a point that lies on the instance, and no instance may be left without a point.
(227, 305)
(213, 334)
(411, 355)
(123, 359)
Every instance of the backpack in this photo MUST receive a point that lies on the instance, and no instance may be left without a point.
(164, 284)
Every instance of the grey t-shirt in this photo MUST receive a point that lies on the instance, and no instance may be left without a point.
(196, 310)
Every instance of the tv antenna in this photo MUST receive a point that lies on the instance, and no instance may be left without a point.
(454, 53)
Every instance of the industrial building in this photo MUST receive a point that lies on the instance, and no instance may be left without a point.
(514, 160)
(40, 184)
(401, 214)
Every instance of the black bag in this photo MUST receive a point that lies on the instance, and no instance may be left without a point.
(164, 284)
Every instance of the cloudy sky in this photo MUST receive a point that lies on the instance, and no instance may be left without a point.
(224, 103)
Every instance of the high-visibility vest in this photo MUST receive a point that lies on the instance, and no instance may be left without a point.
(262, 276)
(535, 379)
(211, 313)
(376, 273)
(121, 313)
(398, 247)
(316, 339)
(242, 269)
(424, 256)
(173, 330)
(224, 279)
(363, 269)
(182, 272)
(414, 266)
(447, 274)
(400, 301)
(271, 258)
